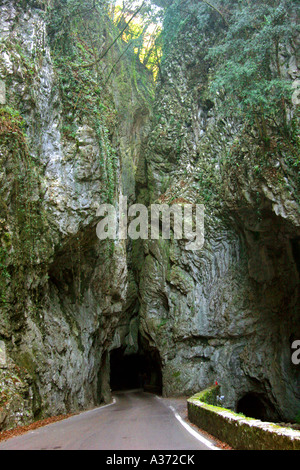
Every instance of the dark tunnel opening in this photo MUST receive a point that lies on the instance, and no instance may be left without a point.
(255, 405)
(141, 370)
(296, 252)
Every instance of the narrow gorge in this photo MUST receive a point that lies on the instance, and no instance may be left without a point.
(84, 119)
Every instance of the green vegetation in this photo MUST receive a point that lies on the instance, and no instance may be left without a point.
(163, 322)
(76, 32)
(88, 42)
(209, 395)
(144, 34)
(22, 219)
(243, 68)
(245, 41)
(248, 75)
(235, 429)
(176, 375)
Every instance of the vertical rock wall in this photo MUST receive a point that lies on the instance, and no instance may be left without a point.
(230, 312)
(66, 298)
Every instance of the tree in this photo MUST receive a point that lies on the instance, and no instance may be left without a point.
(248, 73)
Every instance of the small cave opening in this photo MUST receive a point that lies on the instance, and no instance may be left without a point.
(135, 371)
(256, 405)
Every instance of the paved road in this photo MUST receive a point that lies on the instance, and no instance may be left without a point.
(136, 421)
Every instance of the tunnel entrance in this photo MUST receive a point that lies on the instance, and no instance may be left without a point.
(141, 370)
(256, 405)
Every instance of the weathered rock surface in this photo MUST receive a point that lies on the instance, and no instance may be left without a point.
(229, 312)
(78, 296)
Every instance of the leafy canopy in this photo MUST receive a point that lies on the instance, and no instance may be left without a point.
(248, 62)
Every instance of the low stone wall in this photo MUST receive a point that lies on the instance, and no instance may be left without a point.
(239, 432)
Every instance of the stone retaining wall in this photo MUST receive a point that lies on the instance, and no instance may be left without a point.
(240, 432)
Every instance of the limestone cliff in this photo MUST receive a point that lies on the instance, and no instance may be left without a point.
(230, 312)
(65, 298)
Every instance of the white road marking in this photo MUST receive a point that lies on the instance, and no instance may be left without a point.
(94, 410)
(105, 406)
(76, 416)
(193, 432)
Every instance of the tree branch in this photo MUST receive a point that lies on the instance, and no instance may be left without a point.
(217, 10)
(114, 41)
(117, 61)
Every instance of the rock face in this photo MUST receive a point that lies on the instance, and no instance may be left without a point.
(228, 313)
(66, 293)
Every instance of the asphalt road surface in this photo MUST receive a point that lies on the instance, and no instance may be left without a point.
(135, 421)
